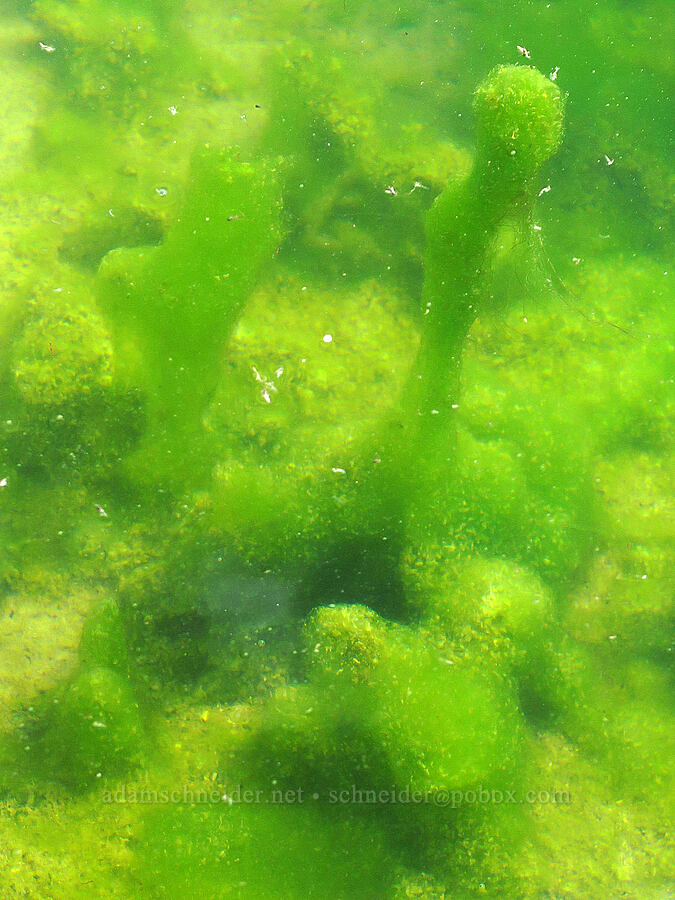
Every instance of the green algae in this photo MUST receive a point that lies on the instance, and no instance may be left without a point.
(477, 598)
(173, 307)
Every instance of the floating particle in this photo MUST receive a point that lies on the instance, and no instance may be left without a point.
(524, 51)
(416, 185)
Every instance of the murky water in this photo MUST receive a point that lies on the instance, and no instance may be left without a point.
(336, 473)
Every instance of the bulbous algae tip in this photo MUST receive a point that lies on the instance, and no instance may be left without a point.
(519, 120)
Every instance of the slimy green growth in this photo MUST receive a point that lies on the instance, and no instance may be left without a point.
(172, 308)
(519, 118)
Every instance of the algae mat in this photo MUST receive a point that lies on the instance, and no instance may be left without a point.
(336, 471)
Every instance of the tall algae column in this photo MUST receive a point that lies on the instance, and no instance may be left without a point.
(173, 307)
(519, 115)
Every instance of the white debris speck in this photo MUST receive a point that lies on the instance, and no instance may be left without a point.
(46, 47)
(524, 51)
(544, 190)
(610, 162)
(391, 190)
(416, 185)
(102, 513)
(338, 471)
(173, 110)
(327, 338)
(576, 260)
(268, 386)
(537, 227)
(554, 74)
(3, 482)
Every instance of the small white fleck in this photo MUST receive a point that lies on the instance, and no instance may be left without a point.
(391, 190)
(418, 184)
(576, 260)
(544, 190)
(338, 471)
(610, 162)
(537, 227)
(46, 47)
(554, 73)
(3, 482)
(327, 338)
(173, 110)
(524, 51)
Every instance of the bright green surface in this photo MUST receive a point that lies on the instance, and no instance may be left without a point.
(336, 504)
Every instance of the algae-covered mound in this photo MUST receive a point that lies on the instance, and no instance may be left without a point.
(387, 704)
(64, 411)
(91, 726)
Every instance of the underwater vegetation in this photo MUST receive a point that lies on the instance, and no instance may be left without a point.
(336, 498)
